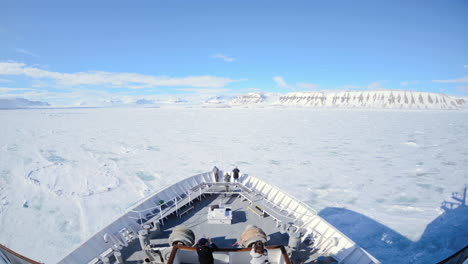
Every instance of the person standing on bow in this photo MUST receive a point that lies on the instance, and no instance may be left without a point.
(205, 251)
(235, 174)
(227, 177)
(215, 173)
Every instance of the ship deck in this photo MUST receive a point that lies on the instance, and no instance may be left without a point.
(223, 235)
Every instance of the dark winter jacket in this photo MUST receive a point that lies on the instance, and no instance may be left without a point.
(236, 173)
(205, 253)
(259, 258)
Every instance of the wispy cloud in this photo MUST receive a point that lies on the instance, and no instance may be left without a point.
(459, 80)
(350, 86)
(374, 86)
(281, 82)
(307, 86)
(223, 57)
(466, 66)
(463, 88)
(5, 81)
(205, 91)
(406, 83)
(370, 86)
(26, 52)
(4, 90)
(111, 79)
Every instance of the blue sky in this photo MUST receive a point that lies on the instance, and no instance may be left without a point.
(70, 51)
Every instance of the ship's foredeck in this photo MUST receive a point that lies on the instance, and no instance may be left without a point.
(194, 217)
(285, 220)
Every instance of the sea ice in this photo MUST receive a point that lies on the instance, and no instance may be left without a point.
(383, 172)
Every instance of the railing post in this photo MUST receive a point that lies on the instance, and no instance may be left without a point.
(160, 212)
(118, 257)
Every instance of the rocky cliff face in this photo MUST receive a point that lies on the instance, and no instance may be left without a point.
(372, 99)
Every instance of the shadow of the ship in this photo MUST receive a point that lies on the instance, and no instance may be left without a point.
(444, 236)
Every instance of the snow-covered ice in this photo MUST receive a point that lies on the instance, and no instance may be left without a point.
(380, 176)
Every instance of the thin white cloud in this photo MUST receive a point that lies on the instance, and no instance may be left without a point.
(374, 86)
(281, 82)
(204, 91)
(466, 66)
(223, 57)
(111, 79)
(5, 81)
(463, 88)
(350, 86)
(370, 86)
(406, 83)
(459, 80)
(20, 50)
(4, 90)
(308, 86)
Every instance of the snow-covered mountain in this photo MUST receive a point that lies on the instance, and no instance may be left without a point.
(144, 102)
(221, 99)
(173, 100)
(384, 99)
(373, 99)
(348, 99)
(250, 98)
(239, 100)
(20, 103)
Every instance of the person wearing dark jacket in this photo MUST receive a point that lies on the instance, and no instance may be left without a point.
(259, 254)
(215, 173)
(235, 175)
(205, 251)
(227, 177)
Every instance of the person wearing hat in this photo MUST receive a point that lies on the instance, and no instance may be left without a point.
(205, 251)
(235, 173)
(259, 253)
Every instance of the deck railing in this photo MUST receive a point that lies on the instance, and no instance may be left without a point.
(328, 240)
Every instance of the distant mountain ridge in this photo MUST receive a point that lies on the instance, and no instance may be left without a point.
(373, 99)
(356, 99)
(250, 98)
(383, 99)
(13, 103)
